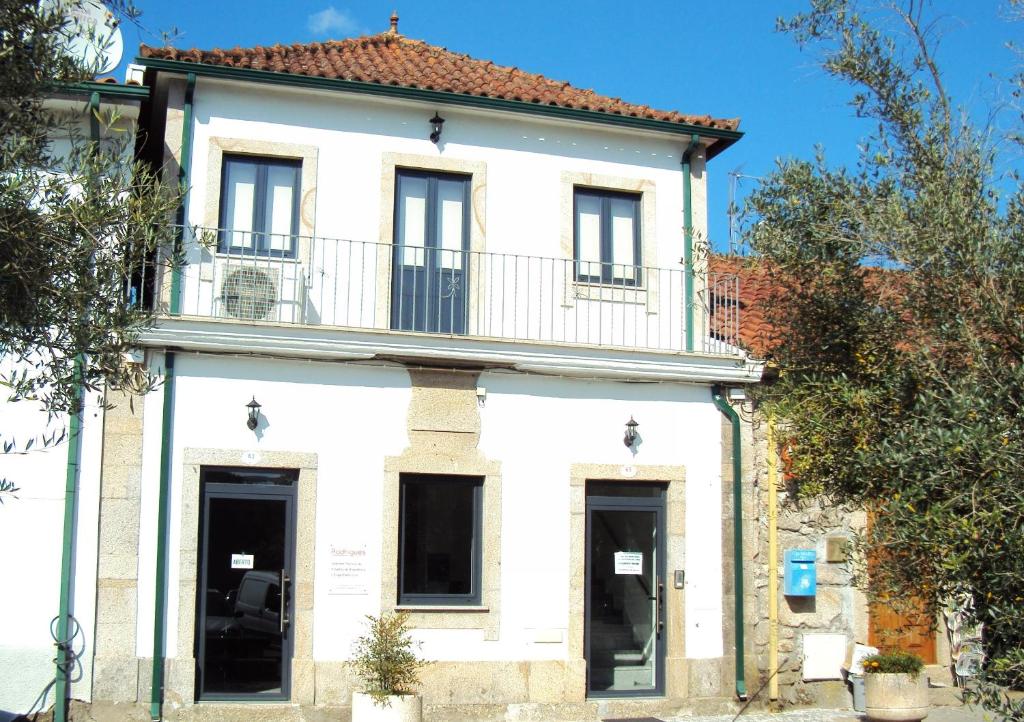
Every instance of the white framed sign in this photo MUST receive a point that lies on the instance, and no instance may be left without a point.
(629, 562)
(242, 561)
(348, 570)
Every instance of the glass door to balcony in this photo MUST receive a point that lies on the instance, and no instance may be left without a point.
(429, 278)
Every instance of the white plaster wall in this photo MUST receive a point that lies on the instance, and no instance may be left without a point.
(524, 156)
(353, 416)
(350, 416)
(31, 535)
(538, 427)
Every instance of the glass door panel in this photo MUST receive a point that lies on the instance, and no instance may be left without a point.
(429, 279)
(624, 598)
(245, 595)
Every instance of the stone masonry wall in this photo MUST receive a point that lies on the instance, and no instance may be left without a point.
(838, 606)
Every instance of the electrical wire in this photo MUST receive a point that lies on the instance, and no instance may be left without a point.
(71, 667)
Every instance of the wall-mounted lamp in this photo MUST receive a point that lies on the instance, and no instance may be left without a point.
(254, 414)
(630, 436)
(435, 128)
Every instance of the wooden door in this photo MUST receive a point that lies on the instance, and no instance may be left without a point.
(911, 632)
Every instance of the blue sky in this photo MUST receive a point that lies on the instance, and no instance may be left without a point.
(720, 58)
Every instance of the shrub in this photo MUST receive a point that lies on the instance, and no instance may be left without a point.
(385, 658)
(893, 663)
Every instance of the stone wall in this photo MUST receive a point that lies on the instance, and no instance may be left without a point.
(838, 606)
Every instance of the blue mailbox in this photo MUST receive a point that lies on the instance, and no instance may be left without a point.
(800, 577)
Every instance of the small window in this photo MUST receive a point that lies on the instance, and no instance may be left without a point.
(606, 237)
(439, 539)
(259, 206)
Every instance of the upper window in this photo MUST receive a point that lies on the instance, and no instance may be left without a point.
(259, 205)
(439, 539)
(606, 236)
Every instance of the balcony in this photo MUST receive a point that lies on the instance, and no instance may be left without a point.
(462, 296)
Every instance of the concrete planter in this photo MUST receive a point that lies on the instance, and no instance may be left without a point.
(895, 697)
(399, 708)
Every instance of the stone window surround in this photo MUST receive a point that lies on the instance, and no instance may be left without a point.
(486, 616)
(181, 677)
(217, 146)
(674, 477)
(647, 292)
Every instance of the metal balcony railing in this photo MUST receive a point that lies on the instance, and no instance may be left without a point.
(367, 285)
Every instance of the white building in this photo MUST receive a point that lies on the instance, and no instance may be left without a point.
(449, 286)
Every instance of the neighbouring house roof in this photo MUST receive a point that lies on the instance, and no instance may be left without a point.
(391, 59)
(756, 285)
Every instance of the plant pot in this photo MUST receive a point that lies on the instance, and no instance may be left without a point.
(397, 708)
(895, 697)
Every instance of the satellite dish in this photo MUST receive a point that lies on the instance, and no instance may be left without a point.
(91, 34)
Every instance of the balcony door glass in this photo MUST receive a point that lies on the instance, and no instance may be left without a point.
(429, 279)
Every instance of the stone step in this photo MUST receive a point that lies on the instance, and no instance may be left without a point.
(621, 677)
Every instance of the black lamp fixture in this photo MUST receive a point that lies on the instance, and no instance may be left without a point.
(254, 414)
(630, 436)
(435, 128)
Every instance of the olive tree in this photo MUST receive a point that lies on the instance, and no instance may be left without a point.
(78, 219)
(898, 320)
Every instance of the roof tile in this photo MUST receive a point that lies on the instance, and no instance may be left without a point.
(756, 286)
(392, 59)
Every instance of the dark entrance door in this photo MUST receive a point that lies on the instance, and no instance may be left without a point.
(246, 567)
(625, 589)
(429, 277)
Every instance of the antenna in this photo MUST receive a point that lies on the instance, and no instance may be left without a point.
(91, 34)
(734, 179)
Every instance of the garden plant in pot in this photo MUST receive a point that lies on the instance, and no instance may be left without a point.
(894, 688)
(386, 662)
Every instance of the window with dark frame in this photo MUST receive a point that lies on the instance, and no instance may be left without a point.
(259, 205)
(440, 538)
(606, 236)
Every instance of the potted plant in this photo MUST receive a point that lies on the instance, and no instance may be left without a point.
(894, 688)
(385, 660)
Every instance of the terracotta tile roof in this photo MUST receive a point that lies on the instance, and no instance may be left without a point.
(392, 59)
(756, 287)
(758, 283)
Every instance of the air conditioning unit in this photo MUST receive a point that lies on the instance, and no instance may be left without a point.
(266, 290)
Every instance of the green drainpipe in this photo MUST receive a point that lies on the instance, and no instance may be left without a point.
(737, 533)
(184, 167)
(64, 656)
(688, 240)
(162, 523)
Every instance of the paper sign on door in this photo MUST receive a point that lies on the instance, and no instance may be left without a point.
(629, 562)
(241, 561)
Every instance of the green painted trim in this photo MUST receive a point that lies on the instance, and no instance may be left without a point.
(60, 702)
(688, 239)
(737, 533)
(724, 137)
(162, 525)
(184, 166)
(107, 90)
(94, 118)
